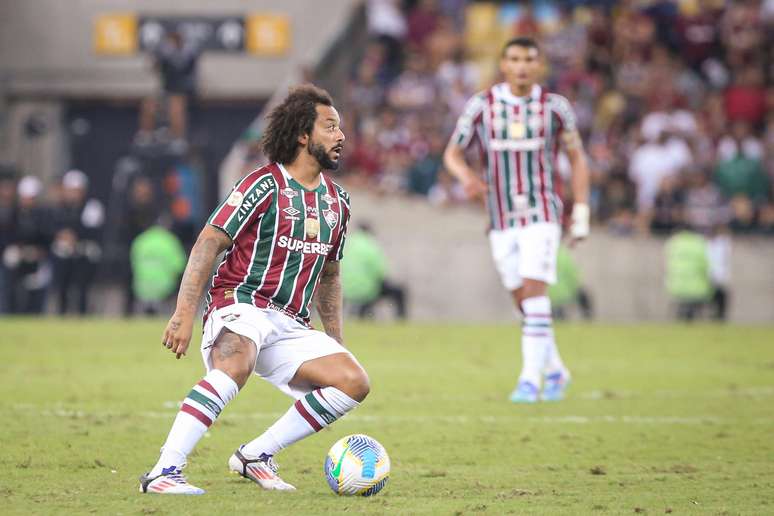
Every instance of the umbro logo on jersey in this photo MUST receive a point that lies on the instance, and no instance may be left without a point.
(289, 193)
(290, 210)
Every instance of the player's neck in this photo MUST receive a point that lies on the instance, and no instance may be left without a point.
(305, 170)
(521, 90)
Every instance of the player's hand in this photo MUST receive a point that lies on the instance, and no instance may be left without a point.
(177, 334)
(475, 187)
(579, 224)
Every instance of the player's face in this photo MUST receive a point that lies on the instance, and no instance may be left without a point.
(327, 140)
(520, 65)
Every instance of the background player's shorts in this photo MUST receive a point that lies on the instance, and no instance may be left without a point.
(283, 344)
(526, 252)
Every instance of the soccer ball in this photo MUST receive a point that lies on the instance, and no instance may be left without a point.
(357, 465)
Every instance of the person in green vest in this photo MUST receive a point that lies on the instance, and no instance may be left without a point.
(364, 275)
(158, 260)
(687, 272)
(568, 289)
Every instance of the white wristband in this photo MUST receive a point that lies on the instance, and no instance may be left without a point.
(579, 227)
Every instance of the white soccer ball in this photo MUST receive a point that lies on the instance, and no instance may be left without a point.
(357, 465)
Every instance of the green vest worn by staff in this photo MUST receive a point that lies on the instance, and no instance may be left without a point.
(157, 259)
(565, 290)
(687, 274)
(363, 268)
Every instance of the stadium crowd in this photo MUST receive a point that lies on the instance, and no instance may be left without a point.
(674, 101)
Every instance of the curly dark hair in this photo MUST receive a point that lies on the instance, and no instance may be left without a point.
(294, 117)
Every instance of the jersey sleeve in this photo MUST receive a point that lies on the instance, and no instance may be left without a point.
(337, 252)
(467, 122)
(247, 202)
(568, 125)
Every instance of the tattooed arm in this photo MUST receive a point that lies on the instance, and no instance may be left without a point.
(330, 301)
(211, 242)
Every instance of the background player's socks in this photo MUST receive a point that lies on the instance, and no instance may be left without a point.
(536, 335)
(308, 415)
(200, 409)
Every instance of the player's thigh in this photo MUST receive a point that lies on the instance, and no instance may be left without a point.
(234, 334)
(539, 245)
(234, 354)
(506, 254)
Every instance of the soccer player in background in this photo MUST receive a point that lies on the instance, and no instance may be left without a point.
(519, 127)
(283, 227)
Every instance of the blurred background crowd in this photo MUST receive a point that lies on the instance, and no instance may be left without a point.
(674, 100)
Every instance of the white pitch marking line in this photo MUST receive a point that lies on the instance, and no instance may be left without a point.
(487, 419)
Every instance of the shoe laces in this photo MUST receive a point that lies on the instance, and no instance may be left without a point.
(176, 475)
(269, 461)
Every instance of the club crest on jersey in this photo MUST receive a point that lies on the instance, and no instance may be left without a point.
(289, 193)
(235, 199)
(331, 217)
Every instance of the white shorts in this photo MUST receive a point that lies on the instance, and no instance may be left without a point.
(282, 344)
(526, 252)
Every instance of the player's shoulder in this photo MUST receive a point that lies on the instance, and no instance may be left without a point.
(263, 179)
(342, 193)
(557, 101)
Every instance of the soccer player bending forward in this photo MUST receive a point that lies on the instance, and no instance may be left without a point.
(283, 227)
(519, 127)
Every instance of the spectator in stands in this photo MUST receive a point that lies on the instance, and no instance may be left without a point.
(175, 60)
(746, 98)
(141, 213)
(422, 22)
(667, 206)
(741, 175)
(719, 261)
(26, 255)
(77, 246)
(704, 208)
(7, 227)
(423, 173)
(364, 276)
(415, 88)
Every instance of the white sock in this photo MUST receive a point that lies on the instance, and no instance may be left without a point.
(306, 416)
(536, 336)
(199, 410)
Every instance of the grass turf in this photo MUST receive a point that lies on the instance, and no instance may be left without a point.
(658, 419)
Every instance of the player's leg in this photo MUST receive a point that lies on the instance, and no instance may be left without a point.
(232, 358)
(326, 380)
(540, 243)
(506, 253)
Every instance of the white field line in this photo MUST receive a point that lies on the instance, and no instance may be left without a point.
(740, 392)
(395, 419)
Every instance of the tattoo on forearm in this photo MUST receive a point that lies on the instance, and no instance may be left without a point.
(329, 304)
(197, 273)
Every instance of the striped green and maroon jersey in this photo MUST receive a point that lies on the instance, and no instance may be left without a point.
(282, 236)
(519, 141)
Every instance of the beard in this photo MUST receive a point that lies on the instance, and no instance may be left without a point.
(317, 151)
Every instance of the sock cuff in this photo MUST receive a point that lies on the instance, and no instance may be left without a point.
(536, 306)
(223, 384)
(339, 400)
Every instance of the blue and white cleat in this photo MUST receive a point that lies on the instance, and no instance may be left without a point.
(262, 471)
(555, 385)
(170, 481)
(525, 392)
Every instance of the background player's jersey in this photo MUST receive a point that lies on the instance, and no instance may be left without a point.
(519, 139)
(282, 236)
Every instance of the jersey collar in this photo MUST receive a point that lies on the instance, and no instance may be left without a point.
(503, 92)
(321, 188)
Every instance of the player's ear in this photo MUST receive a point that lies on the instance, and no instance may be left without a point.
(303, 139)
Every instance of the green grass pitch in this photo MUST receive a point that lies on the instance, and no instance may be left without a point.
(659, 419)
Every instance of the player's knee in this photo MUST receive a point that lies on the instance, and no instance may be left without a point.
(354, 382)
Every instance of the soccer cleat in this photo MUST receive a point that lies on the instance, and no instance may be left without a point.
(262, 471)
(525, 392)
(555, 385)
(171, 481)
